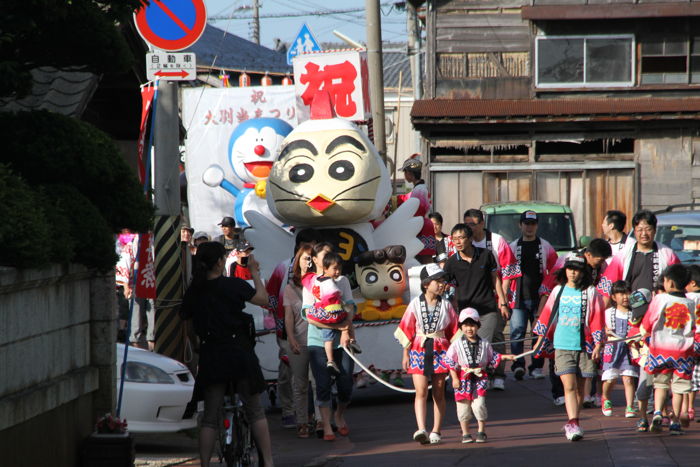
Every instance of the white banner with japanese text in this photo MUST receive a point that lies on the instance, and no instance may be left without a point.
(210, 115)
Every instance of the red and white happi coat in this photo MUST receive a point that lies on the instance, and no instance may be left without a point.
(275, 286)
(126, 246)
(620, 264)
(594, 323)
(472, 369)
(674, 342)
(548, 258)
(427, 232)
(412, 333)
(550, 280)
(508, 266)
(328, 305)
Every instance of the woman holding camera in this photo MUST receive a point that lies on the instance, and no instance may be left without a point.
(227, 337)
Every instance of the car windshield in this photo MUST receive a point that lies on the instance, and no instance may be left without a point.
(556, 228)
(684, 239)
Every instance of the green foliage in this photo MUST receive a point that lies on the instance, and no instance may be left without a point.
(91, 238)
(61, 33)
(46, 148)
(25, 235)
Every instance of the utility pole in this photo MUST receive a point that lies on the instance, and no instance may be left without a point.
(414, 48)
(376, 74)
(166, 196)
(256, 21)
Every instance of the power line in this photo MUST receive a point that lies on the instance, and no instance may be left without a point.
(290, 14)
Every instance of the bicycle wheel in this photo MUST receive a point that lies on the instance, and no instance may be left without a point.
(225, 444)
(251, 455)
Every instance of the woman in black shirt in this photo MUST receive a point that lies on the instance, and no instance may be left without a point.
(227, 336)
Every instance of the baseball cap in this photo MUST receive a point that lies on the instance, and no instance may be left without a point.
(227, 222)
(431, 272)
(244, 246)
(528, 216)
(187, 227)
(575, 261)
(200, 234)
(469, 313)
(412, 162)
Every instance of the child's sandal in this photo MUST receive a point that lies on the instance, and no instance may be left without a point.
(642, 425)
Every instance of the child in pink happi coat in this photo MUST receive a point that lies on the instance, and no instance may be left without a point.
(470, 357)
(328, 307)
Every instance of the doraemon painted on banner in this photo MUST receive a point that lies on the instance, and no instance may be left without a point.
(233, 137)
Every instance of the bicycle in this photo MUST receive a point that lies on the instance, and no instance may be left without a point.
(236, 446)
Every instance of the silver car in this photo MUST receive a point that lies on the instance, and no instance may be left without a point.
(680, 230)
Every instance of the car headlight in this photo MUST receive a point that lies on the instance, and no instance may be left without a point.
(138, 372)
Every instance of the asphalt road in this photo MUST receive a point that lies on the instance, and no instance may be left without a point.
(524, 428)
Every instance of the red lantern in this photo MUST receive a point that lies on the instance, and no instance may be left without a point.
(287, 80)
(266, 80)
(244, 80)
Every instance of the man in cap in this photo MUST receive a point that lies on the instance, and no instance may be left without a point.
(535, 257)
(229, 236)
(197, 239)
(412, 168)
(237, 263)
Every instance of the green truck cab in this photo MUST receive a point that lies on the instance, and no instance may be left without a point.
(555, 222)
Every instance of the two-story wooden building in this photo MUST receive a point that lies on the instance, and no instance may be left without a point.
(590, 103)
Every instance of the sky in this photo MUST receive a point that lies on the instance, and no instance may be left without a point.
(351, 24)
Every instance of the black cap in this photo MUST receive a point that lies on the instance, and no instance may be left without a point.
(431, 272)
(528, 216)
(575, 261)
(243, 246)
(227, 222)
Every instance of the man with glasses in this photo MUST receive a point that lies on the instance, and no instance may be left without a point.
(507, 265)
(642, 260)
(474, 273)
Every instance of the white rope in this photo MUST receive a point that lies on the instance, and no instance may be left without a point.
(618, 339)
(370, 372)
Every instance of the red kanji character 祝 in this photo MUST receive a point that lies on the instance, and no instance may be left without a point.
(257, 96)
(338, 80)
(242, 115)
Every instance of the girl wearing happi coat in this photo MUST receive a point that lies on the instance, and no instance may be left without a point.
(426, 330)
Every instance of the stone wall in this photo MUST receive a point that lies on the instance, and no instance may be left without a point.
(57, 354)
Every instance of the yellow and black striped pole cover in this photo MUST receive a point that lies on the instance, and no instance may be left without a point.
(170, 333)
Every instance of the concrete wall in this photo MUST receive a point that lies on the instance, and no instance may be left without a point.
(57, 354)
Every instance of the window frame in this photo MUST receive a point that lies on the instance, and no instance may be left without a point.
(583, 85)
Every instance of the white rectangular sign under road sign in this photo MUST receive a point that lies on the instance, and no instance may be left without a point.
(171, 66)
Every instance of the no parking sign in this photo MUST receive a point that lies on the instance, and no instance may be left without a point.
(171, 24)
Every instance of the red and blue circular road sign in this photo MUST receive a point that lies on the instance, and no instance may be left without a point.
(171, 24)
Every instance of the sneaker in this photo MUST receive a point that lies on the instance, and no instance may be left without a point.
(480, 437)
(656, 422)
(537, 373)
(630, 412)
(588, 402)
(598, 401)
(499, 384)
(519, 373)
(289, 421)
(559, 401)
(675, 429)
(607, 408)
(397, 380)
(642, 425)
(333, 368)
(466, 439)
(435, 438)
(573, 432)
(421, 437)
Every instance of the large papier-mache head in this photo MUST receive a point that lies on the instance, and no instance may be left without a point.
(328, 173)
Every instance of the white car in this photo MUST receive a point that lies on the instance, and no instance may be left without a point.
(156, 392)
